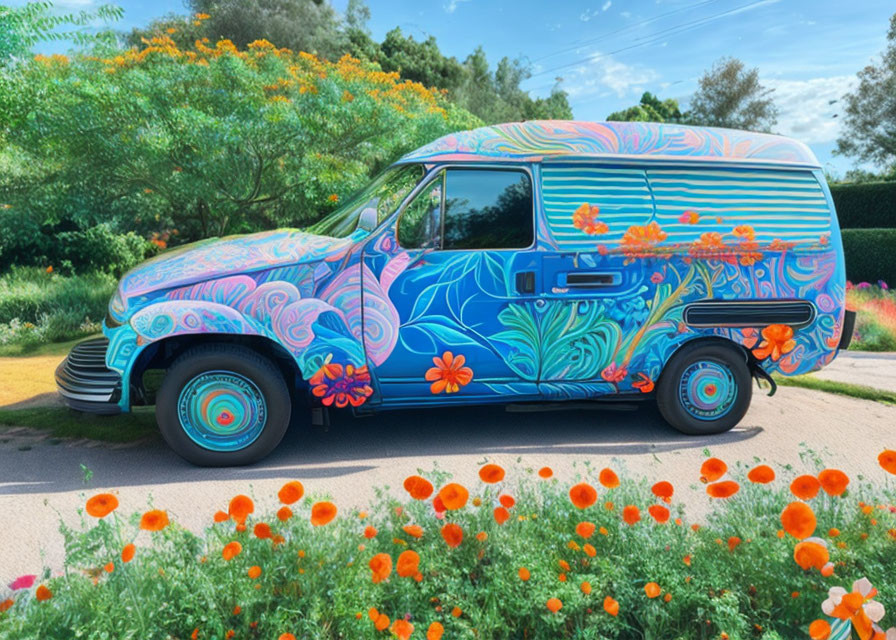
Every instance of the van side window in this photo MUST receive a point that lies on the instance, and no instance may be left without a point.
(420, 224)
(488, 209)
(588, 205)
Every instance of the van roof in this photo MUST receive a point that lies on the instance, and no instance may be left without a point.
(568, 139)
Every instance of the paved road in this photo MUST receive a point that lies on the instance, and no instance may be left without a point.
(876, 370)
(39, 480)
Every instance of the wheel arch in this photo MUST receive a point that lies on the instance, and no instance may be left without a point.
(749, 360)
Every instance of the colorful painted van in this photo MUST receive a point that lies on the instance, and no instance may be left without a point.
(521, 262)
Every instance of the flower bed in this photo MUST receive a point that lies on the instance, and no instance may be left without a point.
(518, 555)
(876, 321)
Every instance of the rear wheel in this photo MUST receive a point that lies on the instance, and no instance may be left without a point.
(706, 388)
(223, 405)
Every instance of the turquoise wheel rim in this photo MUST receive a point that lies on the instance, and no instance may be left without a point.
(707, 390)
(222, 411)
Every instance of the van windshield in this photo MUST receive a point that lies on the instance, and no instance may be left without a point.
(373, 204)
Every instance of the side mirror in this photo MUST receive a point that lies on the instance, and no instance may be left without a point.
(368, 219)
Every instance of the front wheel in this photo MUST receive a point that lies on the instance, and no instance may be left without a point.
(223, 405)
(706, 388)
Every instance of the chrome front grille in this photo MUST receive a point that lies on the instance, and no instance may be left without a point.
(85, 383)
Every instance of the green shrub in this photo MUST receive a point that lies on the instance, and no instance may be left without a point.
(870, 254)
(732, 576)
(865, 206)
(875, 307)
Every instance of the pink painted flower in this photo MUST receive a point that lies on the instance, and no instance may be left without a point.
(656, 278)
(22, 582)
(612, 373)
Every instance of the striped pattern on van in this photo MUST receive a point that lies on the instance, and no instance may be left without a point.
(622, 195)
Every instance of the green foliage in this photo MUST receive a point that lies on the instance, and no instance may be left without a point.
(869, 254)
(866, 205)
(869, 117)
(650, 109)
(739, 580)
(36, 306)
(730, 95)
(875, 308)
(139, 424)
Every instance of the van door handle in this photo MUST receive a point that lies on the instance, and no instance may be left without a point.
(593, 280)
(525, 282)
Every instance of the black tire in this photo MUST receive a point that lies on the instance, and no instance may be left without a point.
(707, 366)
(236, 363)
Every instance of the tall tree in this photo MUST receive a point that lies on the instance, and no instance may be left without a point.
(869, 122)
(730, 95)
(650, 109)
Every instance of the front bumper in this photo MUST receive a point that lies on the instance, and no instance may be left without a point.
(84, 381)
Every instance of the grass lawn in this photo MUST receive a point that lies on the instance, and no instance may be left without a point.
(841, 388)
(62, 422)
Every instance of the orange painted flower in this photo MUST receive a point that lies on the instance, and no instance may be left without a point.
(777, 341)
(286, 636)
(733, 543)
(435, 631)
(585, 219)
(43, 594)
(798, 520)
(744, 232)
(547, 472)
(652, 589)
(585, 588)
(501, 515)
(284, 514)
(449, 374)
(291, 492)
(611, 606)
(454, 496)
(689, 217)
(589, 550)
(763, 474)
(342, 386)
(382, 622)
(381, 566)
(524, 574)
(583, 495)
(585, 529)
(402, 629)
(482, 536)
(506, 501)
(643, 383)
(491, 473)
(608, 478)
(254, 572)
(810, 553)
(262, 530)
(154, 520)
(663, 490)
(240, 508)
(220, 516)
(418, 487)
(452, 534)
(833, 481)
(820, 630)
(413, 530)
(554, 605)
(631, 514)
(805, 487)
(712, 469)
(370, 532)
(6, 605)
(659, 513)
(641, 241)
(408, 564)
(231, 550)
(127, 554)
(887, 461)
(101, 505)
(724, 489)
(322, 513)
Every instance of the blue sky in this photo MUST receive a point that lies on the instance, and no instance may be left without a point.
(610, 51)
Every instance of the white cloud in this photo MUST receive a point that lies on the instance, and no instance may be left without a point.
(603, 73)
(606, 5)
(586, 15)
(806, 107)
(451, 7)
(626, 14)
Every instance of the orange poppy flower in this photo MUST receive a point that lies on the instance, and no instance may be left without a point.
(491, 473)
(501, 515)
(524, 574)
(127, 554)
(220, 516)
(449, 373)
(687, 560)
(833, 481)
(652, 589)
(291, 492)
(805, 487)
(482, 536)
(418, 487)
(435, 631)
(608, 478)
(663, 490)
(733, 543)
(101, 505)
(585, 587)
(240, 508)
(763, 474)
(322, 513)
(284, 514)
(887, 461)
(452, 534)
(373, 614)
(585, 529)
(262, 531)
(254, 572)
(660, 513)
(109, 568)
(43, 593)
(370, 532)
(777, 341)
(712, 469)
(547, 472)
(6, 604)
(231, 550)
(809, 553)
(820, 630)
(413, 530)
(154, 520)
(631, 514)
(381, 566)
(554, 605)
(457, 612)
(408, 564)
(453, 496)
(583, 495)
(798, 520)
(402, 629)
(438, 505)
(589, 550)
(382, 622)
(611, 606)
(724, 489)
(507, 501)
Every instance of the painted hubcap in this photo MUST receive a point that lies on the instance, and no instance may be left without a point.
(707, 390)
(222, 411)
